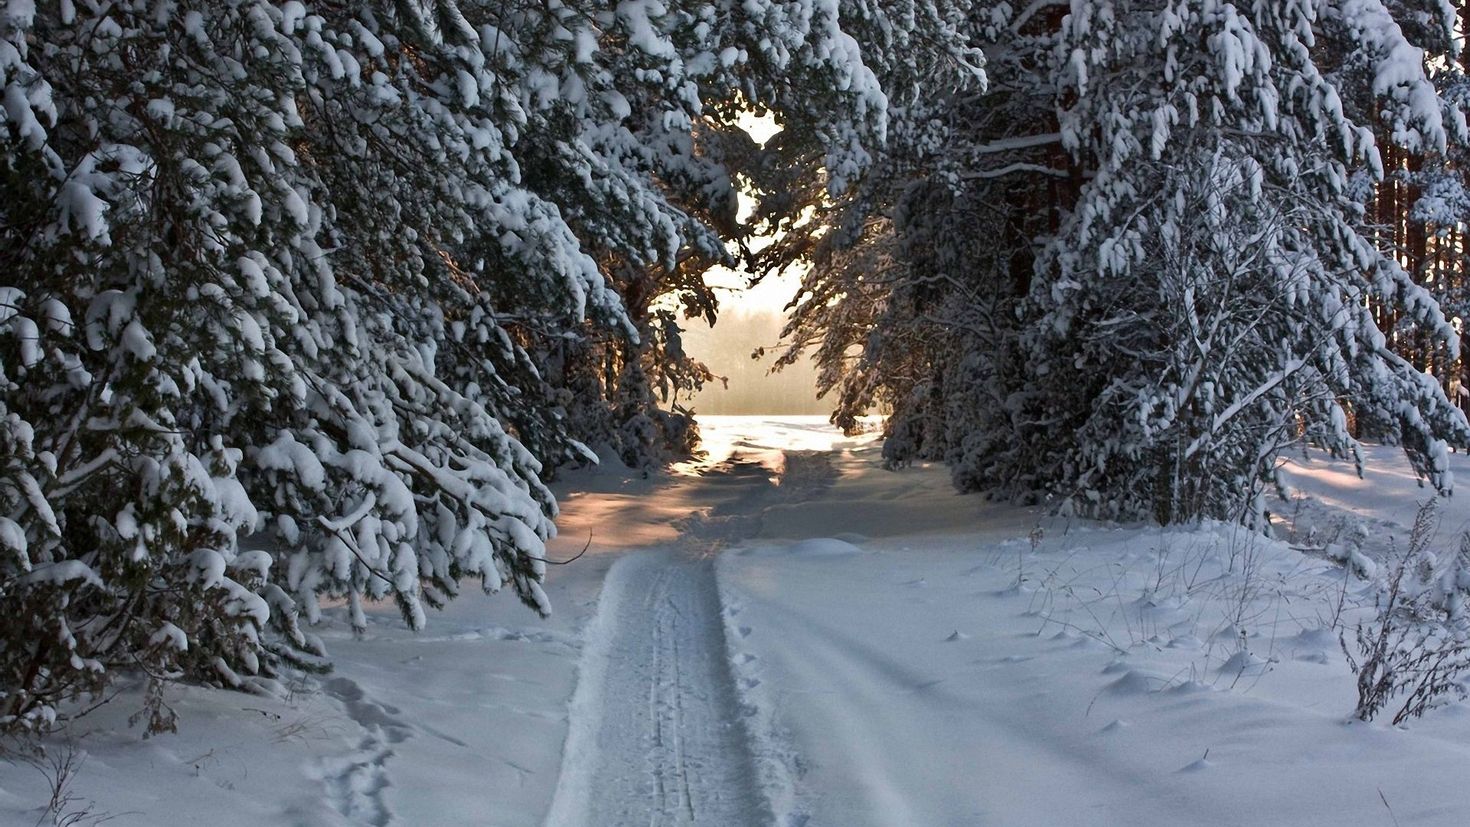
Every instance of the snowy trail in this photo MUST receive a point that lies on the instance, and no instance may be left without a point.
(911, 681)
(656, 734)
(657, 737)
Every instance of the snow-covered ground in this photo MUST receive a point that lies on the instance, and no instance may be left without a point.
(783, 633)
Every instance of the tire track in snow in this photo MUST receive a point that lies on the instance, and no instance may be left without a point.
(656, 736)
(657, 733)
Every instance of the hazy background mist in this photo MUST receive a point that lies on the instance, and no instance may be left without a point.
(727, 347)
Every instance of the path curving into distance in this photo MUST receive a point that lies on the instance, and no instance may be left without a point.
(657, 733)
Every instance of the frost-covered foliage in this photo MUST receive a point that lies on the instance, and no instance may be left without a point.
(1220, 248)
(681, 76)
(1407, 649)
(930, 60)
(280, 281)
(1170, 272)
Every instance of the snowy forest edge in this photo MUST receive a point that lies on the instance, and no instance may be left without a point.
(311, 300)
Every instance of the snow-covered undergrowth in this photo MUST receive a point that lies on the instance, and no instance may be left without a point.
(785, 632)
(1130, 677)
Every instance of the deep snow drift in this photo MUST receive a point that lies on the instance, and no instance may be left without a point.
(785, 633)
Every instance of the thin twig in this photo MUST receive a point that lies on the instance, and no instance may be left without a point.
(573, 559)
(1384, 799)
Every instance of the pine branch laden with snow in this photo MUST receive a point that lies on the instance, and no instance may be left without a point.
(279, 276)
(926, 55)
(1220, 250)
(678, 120)
(1144, 265)
(229, 217)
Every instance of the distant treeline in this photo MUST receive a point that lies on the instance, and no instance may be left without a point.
(749, 386)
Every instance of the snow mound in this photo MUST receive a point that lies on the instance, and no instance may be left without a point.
(816, 547)
(824, 547)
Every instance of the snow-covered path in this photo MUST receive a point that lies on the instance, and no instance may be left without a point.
(785, 634)
(832, 645)
(656, 734)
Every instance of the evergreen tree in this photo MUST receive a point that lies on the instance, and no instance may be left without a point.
(1170, 273)
(281, 283)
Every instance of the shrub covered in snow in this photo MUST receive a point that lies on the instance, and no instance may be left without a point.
(1411, 648)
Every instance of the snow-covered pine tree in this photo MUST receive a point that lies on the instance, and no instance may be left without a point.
(1205, 303)
(1429, 189)
(913, 309)
(278, 283)
(1138, 326)
(851, 310)
(232, 232)
(681, 134)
